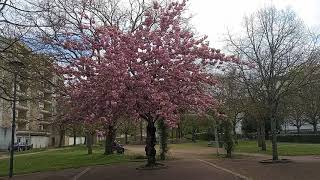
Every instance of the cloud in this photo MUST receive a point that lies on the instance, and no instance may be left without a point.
(214, 17)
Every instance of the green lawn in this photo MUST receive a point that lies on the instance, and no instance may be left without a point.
(60, 159)
(284, 149)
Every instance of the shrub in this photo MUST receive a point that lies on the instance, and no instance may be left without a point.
(305, 138)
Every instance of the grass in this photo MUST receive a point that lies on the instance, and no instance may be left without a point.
(284, 149)
(71, 157)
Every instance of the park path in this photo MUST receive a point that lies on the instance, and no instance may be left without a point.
(207, 152)
(181, 153)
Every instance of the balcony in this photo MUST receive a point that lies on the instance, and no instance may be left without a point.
(22, 114)
(22, 102)
(21, 120)
(44, 122)
(20, 107)
(22, 126)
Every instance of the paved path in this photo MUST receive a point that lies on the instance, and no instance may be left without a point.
(193, 164)
(298, 169)
(191, 153)
(182, 169)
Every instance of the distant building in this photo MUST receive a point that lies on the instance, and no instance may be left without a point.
(289, 128)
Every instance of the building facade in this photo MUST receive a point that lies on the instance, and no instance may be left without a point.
(35, 112)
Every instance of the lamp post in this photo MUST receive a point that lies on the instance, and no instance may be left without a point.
(15, 65)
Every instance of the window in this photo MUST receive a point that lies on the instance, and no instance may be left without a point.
(28, 141)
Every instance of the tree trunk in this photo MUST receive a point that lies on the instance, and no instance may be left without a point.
(263, 135)
(314, 127)
(193, 138)
(89, 142)
(177, 134)
(74, 138)
(234, 124)
(126, 138)
(259, 138)
(109, 140)
(298, 129)
(179, 131)
(150, 143)
(172, 135)
(228, 139)
(141, 131)
(163, 139)
(216, 138)
(61, 138)
(274, 138)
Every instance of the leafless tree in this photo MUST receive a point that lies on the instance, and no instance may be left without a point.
(16, 24)
(276, 45)
(295, 112)
(310, 95)
(233, 95)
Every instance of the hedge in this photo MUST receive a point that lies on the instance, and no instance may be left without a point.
(305, 138)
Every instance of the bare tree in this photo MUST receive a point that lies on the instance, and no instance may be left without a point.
(274, 45)
(295, 112)
(233, 94)
(310, 95)
(16, 22)
(16, 26)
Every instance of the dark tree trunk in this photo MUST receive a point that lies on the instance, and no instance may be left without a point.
(150, 143)
(314, 127)
(141, 131)
(193, 138)
(74, 138)
(259, 138)
(234, 132)
(89, 142)
(110, 132)
(179, 131)
(172, 135)
(61, 138)
(135, 135)
(263, 135)
(274, 138)
(228, 139)
(298, 129)
(126, 138)
(163, 137)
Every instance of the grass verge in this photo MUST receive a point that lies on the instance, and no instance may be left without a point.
(63, 158)
(284, 149)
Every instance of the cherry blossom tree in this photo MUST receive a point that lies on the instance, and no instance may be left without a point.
(153, 73)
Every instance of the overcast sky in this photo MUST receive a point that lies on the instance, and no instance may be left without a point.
(213, 17)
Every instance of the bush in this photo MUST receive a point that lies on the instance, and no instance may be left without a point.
(305, 138)
(202, 136)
